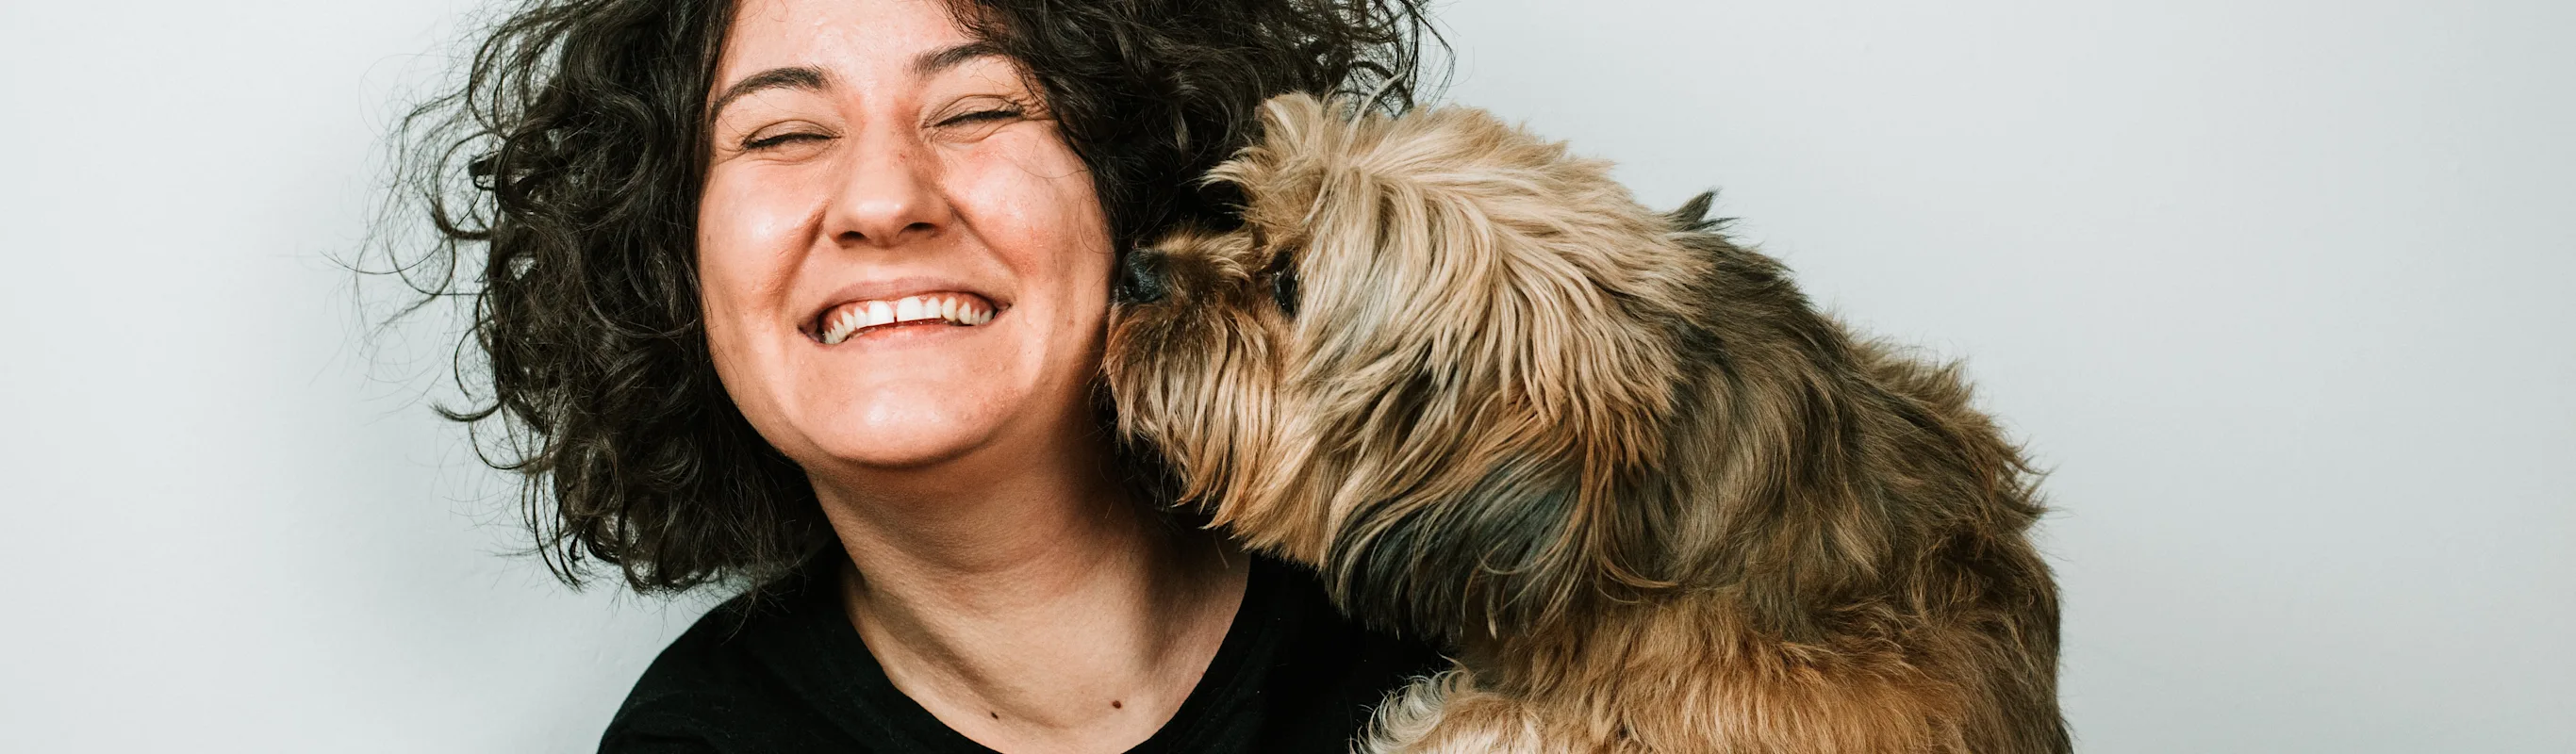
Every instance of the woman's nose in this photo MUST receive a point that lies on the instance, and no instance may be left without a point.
(890, 194)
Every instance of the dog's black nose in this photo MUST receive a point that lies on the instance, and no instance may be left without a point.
(1141, 277)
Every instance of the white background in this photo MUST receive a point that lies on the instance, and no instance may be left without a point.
(2280, 290)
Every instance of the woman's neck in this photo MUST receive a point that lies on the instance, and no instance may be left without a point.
(1036, 611)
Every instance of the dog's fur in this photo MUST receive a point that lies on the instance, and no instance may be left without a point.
(1653, 499)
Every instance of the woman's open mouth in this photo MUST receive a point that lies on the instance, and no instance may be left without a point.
(946, 309)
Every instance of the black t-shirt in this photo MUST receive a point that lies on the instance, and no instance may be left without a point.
(788, 674)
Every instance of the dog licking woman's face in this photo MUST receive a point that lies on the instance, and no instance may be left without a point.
(1419, 362)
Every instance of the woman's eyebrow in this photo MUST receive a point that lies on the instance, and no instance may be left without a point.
(943, 59)
(798, 77)
(815, 79)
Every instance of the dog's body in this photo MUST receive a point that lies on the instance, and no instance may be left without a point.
(1654, 499)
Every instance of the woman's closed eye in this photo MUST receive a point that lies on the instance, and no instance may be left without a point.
(981, 116)
(757, 141)
(787, 138)
(974, 118)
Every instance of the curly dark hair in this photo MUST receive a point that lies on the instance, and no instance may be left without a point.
(572, 151)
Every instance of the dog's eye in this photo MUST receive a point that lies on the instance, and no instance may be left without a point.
(1283, 284)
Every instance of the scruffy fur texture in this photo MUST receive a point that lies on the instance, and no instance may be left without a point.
(1653, 498)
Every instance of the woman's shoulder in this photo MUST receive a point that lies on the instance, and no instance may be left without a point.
(780, 670)
(1313, 676)
(736, 680)
(776, 670)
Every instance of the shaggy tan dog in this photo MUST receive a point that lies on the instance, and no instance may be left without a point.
(1654, 500)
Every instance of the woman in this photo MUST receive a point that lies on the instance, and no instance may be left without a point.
(808, 296)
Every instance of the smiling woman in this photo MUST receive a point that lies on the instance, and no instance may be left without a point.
(805, 298)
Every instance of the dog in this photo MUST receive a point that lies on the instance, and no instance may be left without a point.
(1650, 497)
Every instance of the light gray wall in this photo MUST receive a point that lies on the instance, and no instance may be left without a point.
(228, 527)
(2278, 289)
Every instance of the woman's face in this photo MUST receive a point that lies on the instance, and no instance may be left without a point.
(901, 263)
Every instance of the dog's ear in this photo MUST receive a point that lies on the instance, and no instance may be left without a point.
(1502, 556)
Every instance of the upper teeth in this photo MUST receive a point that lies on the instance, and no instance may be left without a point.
(956, 308)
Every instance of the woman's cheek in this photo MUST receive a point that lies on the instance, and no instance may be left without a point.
(1028, 185)
(754, 223)
(760, 212)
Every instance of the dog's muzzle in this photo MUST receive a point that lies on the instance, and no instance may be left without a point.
(1143, 277)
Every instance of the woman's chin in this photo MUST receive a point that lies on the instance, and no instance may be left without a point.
(908, 436)
(852, 424)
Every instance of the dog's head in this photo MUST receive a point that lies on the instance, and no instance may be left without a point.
(1432, 353)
